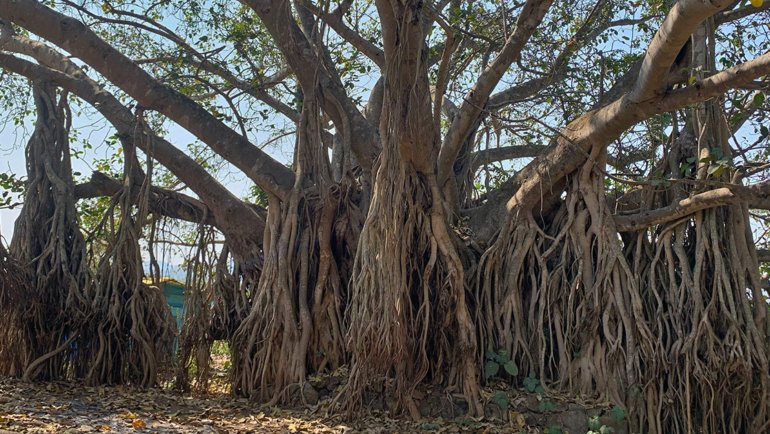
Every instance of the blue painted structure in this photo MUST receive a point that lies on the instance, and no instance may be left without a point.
(173, 290)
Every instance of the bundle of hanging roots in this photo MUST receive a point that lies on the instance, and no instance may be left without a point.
(294, 327)
(106, 326)
(664, 322)
(130, 334)
(14, 291)
(48, 252)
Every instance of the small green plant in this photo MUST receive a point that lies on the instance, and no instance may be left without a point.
(596, 427)
(429, 426)
(501, 399)
(496, 360)
(554, 429)
(532, 385)
(546, 405)
(618, 414)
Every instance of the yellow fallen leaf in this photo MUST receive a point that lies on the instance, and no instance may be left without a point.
(138, 423)
(105, 428)
(518, 420)
(757, 3)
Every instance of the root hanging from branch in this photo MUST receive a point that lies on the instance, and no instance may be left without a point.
(15, 288)
(232, 295)
(563, 301)
(408, 314)
(50, 252)
(196, 338)
(131, 330)
(295, 324)
(712, 372)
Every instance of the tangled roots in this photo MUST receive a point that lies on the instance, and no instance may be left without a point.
(295, 323)
(14, 291)
(408, 313)
(562, 299)
(50, 252)
(663, 326)
(712, 372)
(130, 330)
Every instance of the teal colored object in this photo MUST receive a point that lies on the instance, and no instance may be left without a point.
(173, 290)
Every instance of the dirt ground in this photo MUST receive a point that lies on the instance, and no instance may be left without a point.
(62, 407)
(67, 408)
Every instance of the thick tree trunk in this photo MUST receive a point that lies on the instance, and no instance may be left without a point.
(47, 241)
(409, 317)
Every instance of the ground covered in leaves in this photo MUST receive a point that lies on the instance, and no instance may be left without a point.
(66, 408)
(71, 408)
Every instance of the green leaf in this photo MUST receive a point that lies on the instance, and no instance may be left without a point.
(429, 426)
(618, 414)
(553, 430)
(594, 424)
(490, 369)
(501, 399)
(511, 368)
(546, 405)
(759, 98)
(716, 170)
(530, 384)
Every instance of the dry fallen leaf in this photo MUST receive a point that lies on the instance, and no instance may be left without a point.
(138, 424)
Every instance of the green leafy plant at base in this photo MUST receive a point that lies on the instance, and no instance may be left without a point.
(497, 360)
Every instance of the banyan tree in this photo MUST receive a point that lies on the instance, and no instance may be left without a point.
(578, 186)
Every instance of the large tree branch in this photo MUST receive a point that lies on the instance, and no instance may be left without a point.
(233, 217)
(474, 102)
(680, 23)
(76, 38)
(161, 201)
(587, 136)
(593, 131)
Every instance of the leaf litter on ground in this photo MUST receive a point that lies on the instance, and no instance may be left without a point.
(68, 408)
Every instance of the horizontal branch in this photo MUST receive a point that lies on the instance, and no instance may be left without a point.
(756, 196)
(716, 84)
(491, 155)
(163, 202)
(742, 12)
